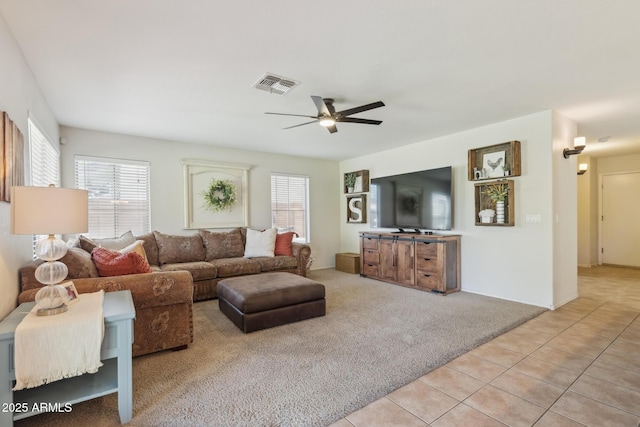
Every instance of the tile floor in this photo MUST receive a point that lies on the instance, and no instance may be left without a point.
(578, 365)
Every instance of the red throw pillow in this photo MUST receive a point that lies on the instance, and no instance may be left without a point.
(114, 263)
(283, 243)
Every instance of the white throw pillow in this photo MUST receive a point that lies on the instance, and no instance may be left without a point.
(116, 243)
(260, 243)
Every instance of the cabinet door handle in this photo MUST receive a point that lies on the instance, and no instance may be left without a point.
(426, 275)
(427, 259)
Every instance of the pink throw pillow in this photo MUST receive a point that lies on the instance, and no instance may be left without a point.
(283, 243)
(114, 263)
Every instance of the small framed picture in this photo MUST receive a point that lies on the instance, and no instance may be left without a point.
(72, 292)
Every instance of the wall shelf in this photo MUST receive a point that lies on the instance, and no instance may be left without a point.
(482, 201)
(494, 161)
(356, 208)
(362, 182)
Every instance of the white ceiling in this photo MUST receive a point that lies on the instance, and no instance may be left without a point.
(184, 70)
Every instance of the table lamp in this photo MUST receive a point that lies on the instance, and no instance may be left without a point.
(51, 211)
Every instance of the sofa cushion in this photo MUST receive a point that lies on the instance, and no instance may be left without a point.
(276, 263)
(173, 248)
(150, 247)
(228, 267)
(137, 247)
(114, 243)
(283, 243)
(200, 270)
(222, 244)
(243, 232)
(79, 264)
(114, 263)
(260, 243)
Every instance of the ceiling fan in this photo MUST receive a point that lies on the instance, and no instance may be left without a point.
(328, 116)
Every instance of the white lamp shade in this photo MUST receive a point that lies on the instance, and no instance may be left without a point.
(579, 141)
(49, 210)
(583, 166)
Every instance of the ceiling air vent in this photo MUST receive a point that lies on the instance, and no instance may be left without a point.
(275, 84)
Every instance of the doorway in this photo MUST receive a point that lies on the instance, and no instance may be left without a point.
(619, 214)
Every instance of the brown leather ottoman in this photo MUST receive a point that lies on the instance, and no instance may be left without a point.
(265, 300)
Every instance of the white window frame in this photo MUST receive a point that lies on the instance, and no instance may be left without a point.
(304, 234)
(119, 223)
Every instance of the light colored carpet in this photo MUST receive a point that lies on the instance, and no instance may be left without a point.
(375, 338)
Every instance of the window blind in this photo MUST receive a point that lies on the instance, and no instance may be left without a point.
(118, 195)
(44, 159)
(290, 204)
(44, 164)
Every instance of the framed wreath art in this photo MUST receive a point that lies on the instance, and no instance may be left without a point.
(216, 194)
(220, 195)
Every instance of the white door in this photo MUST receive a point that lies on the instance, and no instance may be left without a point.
(621, 219)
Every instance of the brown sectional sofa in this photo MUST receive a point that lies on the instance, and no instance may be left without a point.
(213, 256)
(184, 269)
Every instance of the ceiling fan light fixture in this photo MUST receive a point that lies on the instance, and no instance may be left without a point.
(327, 121)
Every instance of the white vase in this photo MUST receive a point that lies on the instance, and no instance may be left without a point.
(500, 212)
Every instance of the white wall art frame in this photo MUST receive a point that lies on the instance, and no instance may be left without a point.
(198, 178)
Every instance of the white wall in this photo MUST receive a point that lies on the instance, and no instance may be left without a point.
(514, 263)
(588, 213)
(565, 212)
(619, 164)
(19, 97)
(167, 186)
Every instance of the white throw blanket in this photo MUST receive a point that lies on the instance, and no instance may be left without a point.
(50, 348)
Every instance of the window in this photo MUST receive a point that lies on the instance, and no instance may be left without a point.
(118, 195)
(44, 159)
(44, 164)
(290, 204)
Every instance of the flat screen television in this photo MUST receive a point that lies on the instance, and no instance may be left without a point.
(413, 201)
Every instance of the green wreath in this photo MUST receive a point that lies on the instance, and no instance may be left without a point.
(220, 195)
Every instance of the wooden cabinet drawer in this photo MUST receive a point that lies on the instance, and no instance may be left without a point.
(429, 280)
(426, 249)
(370, 243)
(371, 270)
(427, 264)
(371, 257)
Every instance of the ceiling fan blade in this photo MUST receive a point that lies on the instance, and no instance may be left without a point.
(294, 115)
(332, 129)
(360, 109)
(321, 106)
(301, 124)
(357, 120)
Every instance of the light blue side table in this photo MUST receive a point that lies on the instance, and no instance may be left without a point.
(114, 376)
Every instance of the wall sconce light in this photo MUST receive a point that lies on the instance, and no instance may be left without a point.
(578, 145)
(582, 168)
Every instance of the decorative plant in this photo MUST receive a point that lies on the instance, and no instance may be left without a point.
(350, 180)
(497, 191)
(220, 195)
